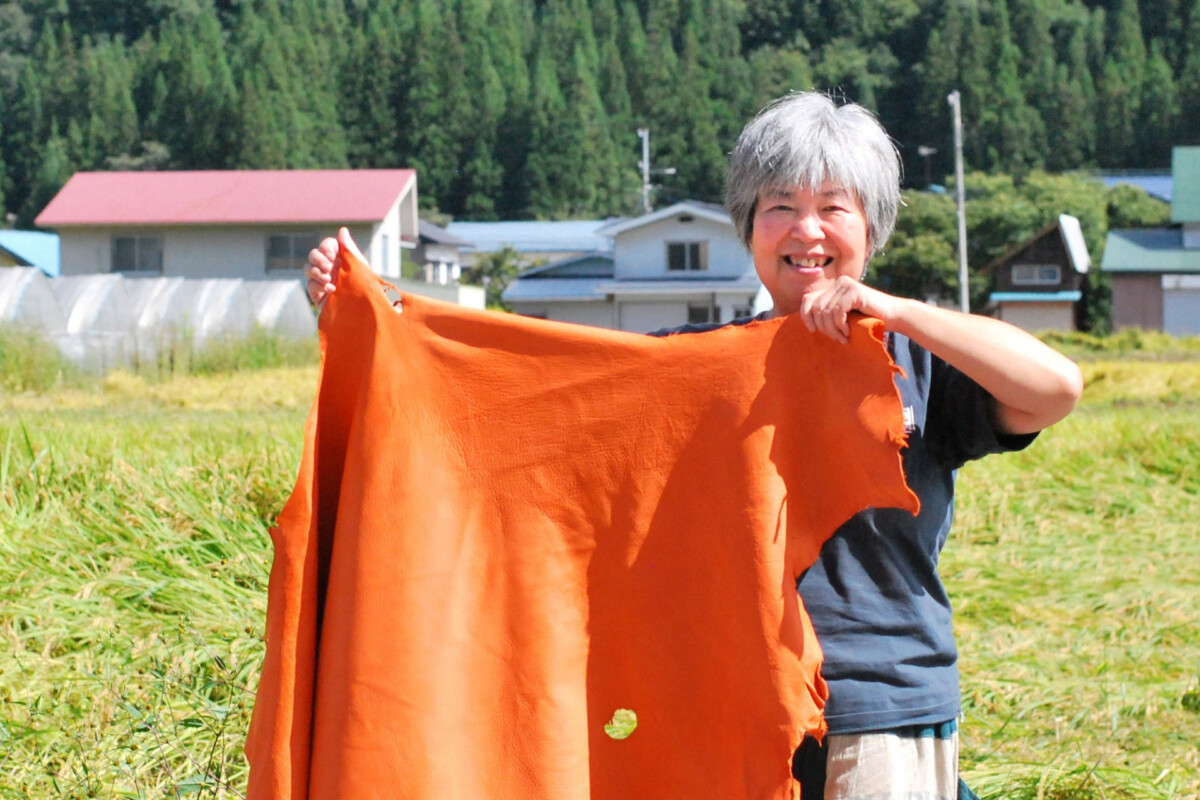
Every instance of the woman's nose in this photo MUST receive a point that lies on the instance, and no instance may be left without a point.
(807, 227)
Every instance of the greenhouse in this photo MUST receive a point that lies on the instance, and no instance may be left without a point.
(107, 320)
(282, 307)
(99, 325)
(26, 301)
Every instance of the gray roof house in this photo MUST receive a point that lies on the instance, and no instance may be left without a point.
(1156, 183)
(1156, 271)
(438, 254)
(680, 264)
(537, 242)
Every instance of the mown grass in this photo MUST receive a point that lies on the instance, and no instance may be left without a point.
(134, 549)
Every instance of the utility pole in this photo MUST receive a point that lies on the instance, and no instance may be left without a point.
(964, 303)
(644, 135)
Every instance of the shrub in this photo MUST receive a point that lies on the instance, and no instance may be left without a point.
(28, 362)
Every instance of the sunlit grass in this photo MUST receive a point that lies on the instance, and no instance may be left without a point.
(1077, 598)
(133, 564)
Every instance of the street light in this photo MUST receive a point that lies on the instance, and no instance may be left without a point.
(925, 151)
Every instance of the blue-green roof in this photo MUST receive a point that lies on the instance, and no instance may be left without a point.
(33, 248)
(1185, 171)
(1036, 297)
(1149, 250)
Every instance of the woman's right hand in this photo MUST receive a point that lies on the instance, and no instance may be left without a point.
(322, 279)
(322, 270)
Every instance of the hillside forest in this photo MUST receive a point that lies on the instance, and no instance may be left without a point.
(522, 109)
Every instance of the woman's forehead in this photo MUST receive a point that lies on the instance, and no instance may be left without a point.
(828, 189)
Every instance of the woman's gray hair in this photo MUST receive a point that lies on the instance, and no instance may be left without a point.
(803, 140)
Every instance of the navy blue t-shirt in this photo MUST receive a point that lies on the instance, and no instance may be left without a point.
(874, 595)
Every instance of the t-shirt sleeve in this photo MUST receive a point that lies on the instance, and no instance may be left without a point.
(959, 420)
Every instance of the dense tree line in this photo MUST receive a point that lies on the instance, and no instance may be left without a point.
(529, 108)
(516, 109)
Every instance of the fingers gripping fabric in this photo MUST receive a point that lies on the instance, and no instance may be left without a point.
(506, 530)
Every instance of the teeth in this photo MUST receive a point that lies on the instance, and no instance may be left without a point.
(808, 262)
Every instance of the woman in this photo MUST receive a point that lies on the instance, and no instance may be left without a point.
(814, 191)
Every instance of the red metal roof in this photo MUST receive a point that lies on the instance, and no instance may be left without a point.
(234, 197)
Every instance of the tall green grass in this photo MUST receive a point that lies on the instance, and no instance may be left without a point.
(31, 362)
(133, 564)
(1128, 343)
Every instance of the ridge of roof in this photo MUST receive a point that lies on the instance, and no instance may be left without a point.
(710, 211)
(216, 197)
(558, 264)
(1072, 238)
(439, 235)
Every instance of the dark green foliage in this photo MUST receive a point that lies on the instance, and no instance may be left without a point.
(1189, 80)
(189, 95)
(921, 259)
(494, 271)
(1160, 112)
(1130, 207)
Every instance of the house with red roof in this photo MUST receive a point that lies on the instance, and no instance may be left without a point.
(250, 224)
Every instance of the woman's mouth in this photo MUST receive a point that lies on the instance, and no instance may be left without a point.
(819, 262)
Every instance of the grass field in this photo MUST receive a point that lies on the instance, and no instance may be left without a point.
(134, 556)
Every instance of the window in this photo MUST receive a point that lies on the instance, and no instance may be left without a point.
(137, 254)
(1036, 274)
(288, 251)
(687, 256)
(701, 314)
(741, 312)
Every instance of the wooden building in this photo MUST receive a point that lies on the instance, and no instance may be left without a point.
(1038, 285)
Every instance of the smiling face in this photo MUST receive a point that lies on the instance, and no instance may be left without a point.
(805, 239)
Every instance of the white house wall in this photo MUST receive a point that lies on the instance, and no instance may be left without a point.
(382, 244)
(82, 252)
(1034, 317)
(219, 253)
(599, 315)
(642, 252)
(644, 317)
(447, 253)
(1181, 311)
(200, 252)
